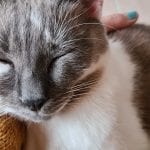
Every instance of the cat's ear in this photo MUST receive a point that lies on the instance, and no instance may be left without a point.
(93, 7)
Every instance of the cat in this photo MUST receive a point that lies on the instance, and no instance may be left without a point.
(77, 87)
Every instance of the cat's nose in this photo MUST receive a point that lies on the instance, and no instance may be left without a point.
(34, 105)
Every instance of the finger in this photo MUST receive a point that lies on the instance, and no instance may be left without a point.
(119, 21)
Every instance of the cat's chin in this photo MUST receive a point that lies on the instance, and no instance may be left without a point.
(35, 118)
(28, 116)
(32, 118)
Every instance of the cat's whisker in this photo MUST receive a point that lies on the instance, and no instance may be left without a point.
(71, 44)
(84, 39)
(66, 31)
(82, 13)
(73, 90)
(83, 86)
(80, 94)
(101, 24)
(61, 26)
(82, 24)
(91, 81)
(80, 89)
(68, 23)
(66, 43)
(111, 27)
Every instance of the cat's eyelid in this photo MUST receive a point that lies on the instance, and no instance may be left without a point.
(5, 61)
(64, 53)
(4, 57)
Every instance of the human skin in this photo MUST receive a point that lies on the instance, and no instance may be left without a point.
(119, 21)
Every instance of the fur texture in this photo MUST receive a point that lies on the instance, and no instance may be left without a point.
(43, 42)
(61, 69)
(105, 119)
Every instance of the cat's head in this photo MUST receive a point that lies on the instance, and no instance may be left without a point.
(47, 49)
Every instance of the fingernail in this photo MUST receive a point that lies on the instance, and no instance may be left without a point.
(132, 15)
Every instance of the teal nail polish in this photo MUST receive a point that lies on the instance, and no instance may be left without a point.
(132, 15)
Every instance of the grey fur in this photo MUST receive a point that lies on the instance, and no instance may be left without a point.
(49, 45)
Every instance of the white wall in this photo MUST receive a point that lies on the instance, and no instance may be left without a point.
(142, 6)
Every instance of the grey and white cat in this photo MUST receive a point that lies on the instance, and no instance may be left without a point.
(84, 90)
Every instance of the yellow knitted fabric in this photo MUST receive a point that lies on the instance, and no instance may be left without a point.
(12, 133)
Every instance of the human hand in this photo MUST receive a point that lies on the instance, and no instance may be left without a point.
(119, 21)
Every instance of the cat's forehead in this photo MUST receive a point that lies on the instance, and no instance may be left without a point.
(39, 13)
(47, 21)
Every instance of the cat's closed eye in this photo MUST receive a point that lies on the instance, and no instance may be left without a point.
(5, 67)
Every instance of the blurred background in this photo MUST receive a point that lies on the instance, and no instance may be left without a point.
(142, 6)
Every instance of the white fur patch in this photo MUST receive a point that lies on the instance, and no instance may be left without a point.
(129, 125)
(106, 119)
(4, 69)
